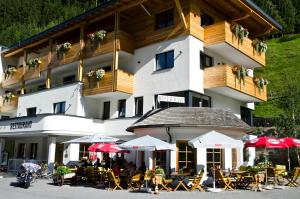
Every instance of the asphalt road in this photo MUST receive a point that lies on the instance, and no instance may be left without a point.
(44, 189)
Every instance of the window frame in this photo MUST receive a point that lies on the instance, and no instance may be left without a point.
(21, 154)
(30, 109)
(138, 112)
(104, 117)
(166, 64)
(33, 151)
(60, 111)
(164, 19)
(186, 152)
(121, 113)
(203, 57)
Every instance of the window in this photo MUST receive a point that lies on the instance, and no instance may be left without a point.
(138, 106)
(186, 156)
(31, 111)
(33, 150)
(68, 79)
(59, 107)
(4, 117)
(106, 110)
(206, 20)
(234, 158)
(160, 158)
(21, 150)
(165, 60)
(214, 157)
(205, 60)
(164, 19)
(122, 108)
(246, 115)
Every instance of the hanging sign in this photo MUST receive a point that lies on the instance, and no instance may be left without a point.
(174, 99)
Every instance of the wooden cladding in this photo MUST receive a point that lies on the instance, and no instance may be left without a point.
(8, 106)
(223, 76)
(13, 78)
(107, 45)
(70, 56)
(123, 82)
(221, 33)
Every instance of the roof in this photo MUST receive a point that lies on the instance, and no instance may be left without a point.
(98, 10)
(190, 117)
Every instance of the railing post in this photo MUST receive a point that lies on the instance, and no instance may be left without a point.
(82, 53)
(48, 79)
(24, 69)
(116, 50)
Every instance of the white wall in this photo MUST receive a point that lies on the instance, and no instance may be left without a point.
(44, 100)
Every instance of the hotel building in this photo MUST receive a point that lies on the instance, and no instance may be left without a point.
(170, 69)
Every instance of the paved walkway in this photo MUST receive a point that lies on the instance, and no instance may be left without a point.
(43, 189)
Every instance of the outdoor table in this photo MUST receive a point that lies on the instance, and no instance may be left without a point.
(241, 178)
(180, 177)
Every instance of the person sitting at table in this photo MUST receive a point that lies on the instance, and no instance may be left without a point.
(116, 169)
(97, 163)
(131, 168)
(143, 167)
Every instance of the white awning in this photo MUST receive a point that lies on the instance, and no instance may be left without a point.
(214, 139)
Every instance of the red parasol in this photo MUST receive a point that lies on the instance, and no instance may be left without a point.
(290, 142)
(106, 148)
(265, 142)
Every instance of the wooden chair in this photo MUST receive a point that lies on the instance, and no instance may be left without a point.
(115, 180)
(196, 182)
(292, 177)
(166, 184)
(226, 182)
(135, 182)
(271, 175)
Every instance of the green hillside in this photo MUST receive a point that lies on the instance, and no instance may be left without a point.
(283, 66)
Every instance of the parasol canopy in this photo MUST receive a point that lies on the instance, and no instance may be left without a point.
(265, 142)
(146, 143)
(290, 142)
(96, 138)
(106, 148)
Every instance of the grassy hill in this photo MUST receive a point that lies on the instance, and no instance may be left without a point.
(283, 65)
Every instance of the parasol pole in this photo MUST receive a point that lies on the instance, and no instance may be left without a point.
(289, 160)
(214, 183)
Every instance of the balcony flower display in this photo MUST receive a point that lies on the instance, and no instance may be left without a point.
(239, 32)
(62, 49)
(7, 97)
(260, 82)
(96, 37)
(240, 73)
(259, 46)
(34, 63)
(100, 73)
(10, 72)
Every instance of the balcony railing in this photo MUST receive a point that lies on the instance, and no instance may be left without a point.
(8, 105)
(107, 45)
(14, 78)
(221, 78)
(70, 56)
(34, 73)
(220, 33)
(124, 83)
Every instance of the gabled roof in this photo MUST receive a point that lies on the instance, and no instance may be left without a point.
(190, 117)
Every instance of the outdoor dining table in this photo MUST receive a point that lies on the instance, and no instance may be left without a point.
(242, 178)
(180, 177)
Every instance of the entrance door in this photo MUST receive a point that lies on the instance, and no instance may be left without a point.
(59, 151)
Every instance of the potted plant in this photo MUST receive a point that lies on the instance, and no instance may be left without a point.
(62, 49)
(158, 175)
(99, 74)
(34, 63)
(240, 73)
(239, 32)
(59, 175)
(260, 82)
(7, 97)
(9, 72)
(96, 37)
(259, 46)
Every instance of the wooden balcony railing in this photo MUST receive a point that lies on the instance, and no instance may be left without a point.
(107, 45)
(71, 56)
(34, 73)
(221, 33)
(223, 76)
(8, 106)
(14, 78)
(124, 83)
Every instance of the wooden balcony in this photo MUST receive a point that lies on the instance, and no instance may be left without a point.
(221, 79)
(13, 79)
(107, 45)
(124, 83)
(8, 106)
(34, 73)
(71, 56)
(220, 39)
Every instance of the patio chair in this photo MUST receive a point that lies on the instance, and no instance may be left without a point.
(271, 175)
(196, 181)
(226, 182)
(115, 180)
(135, 182)
(166, 184)
(292, 177)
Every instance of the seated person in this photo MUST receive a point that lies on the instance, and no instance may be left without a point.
(143, 167)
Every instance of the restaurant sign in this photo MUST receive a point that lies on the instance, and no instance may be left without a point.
(20, 125)
(174, 99)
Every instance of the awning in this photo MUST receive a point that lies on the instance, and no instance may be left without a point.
(214, 139)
